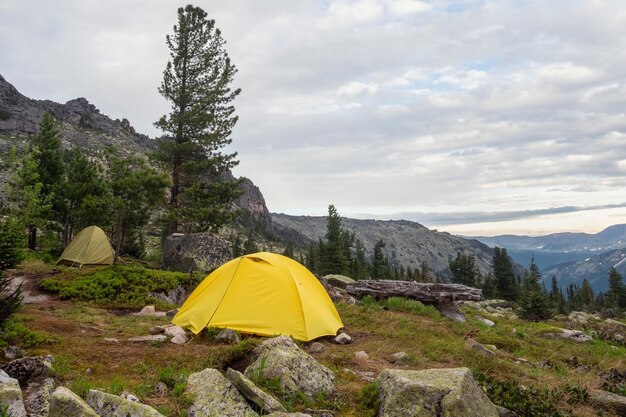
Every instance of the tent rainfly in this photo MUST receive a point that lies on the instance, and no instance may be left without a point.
(89, 247)
(264, 294)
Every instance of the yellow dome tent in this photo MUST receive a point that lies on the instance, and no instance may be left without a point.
(262, 293)
(89, 247)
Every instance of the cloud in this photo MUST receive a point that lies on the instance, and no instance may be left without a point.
(377, 106)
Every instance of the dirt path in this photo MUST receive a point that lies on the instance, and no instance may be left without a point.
(30, 285)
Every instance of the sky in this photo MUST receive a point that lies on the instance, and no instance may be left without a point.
(472, 117)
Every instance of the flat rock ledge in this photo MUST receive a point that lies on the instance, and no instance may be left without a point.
(214, 395)
(433, 393)
(108, 405)
(610, 401)
(297, 371)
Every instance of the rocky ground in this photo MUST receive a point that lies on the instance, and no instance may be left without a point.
(399, 354)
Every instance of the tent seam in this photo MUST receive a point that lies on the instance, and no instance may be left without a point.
(225, 292)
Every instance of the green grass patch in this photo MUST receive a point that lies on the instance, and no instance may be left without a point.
(118, 286)
(15, 332)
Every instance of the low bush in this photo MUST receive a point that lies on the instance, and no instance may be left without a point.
(120, 286)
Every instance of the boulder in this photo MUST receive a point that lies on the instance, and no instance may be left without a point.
(228, 336)
(339, 281)
(29, 368)
(433, 393)
(214, 395)
(283, 414)
(201, 252)
(64, 403)
(610, 401)
(109, 405)
(11, 395)
(254, 394)
(174, 331)
(37, 397)
(177, 296)
(297, 371)
(13, 352)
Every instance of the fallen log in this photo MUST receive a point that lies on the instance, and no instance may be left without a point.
(426, 292)
(442, 296)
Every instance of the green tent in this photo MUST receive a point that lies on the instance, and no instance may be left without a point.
(89, 247)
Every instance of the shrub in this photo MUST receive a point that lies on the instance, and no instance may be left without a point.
(128, 286)
(369, 401)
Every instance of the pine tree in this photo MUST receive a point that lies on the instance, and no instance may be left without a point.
(379, 263)
(616, 294)
(358, 266)
(288, 250)
(506, 283)
(464, 270)
(197, 84)
(587, 298)
(489, 287)
(82, 180)
(135, 189)
(10, 256)
(533, 301)
(334, 259)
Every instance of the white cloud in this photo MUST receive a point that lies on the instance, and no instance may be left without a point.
(354, 88)
(403, 7)
(493, 105)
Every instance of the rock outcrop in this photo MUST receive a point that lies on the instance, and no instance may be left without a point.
(297, 371)
(109, 405)
(28, 368)
(433, 393)
(64, 403)
(11, 395)
(214, 395)
(201, 252)
(610, 401)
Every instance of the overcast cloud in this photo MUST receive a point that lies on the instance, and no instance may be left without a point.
(467, 110)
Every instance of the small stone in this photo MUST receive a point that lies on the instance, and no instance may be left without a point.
(343, 339)
(147, 311)
(316, 347)
(111, 340)
(13, 352)
(89, 371)
(228, 336)
(398, 357)
(161, 389)
(618, 337)
(361, 355)
(151, 338)
(159, 329)
(179, 339)
(171, 313)
(174, 331)
(485, 321)
(366, 375)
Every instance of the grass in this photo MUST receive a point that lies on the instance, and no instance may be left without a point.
(74, 332)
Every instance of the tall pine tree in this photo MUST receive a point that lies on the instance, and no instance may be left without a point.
(197, 84)
(506, 283)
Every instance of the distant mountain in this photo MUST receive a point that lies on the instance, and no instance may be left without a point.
(407, 243)
(613, 237)
(595, 269)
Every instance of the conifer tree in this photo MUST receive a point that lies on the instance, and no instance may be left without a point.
(464, 270)
(197, 84)
(10, 256)
(617, 290)
(379, 263)
(506, 283)
(534, 302)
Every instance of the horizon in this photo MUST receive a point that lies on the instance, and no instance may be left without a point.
(475, 119)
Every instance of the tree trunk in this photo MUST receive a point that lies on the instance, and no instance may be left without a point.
(119, 231)
(32, 237)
